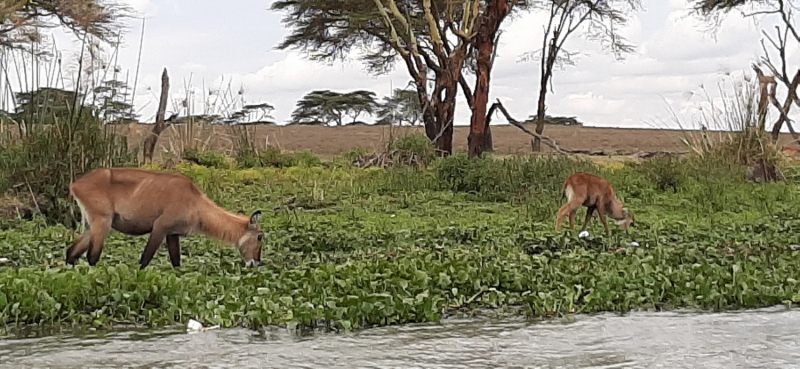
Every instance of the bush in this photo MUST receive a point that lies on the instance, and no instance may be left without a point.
(207, 158)
(46, 158)
(412, 148)
(502, 179)
(350, 157)
(743, 138)
(306, 158)
(665, 172)
(275, 157)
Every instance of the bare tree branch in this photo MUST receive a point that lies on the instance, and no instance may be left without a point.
(547, 141)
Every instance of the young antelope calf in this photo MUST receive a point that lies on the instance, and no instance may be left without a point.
(595, 193)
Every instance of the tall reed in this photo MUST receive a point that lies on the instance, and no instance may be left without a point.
(60, 133)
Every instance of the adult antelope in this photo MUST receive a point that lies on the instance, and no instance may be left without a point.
(165, 205)
(595, 193)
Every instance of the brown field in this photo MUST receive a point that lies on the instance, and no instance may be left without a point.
(327, 142)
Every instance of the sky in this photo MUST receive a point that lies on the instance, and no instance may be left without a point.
(205, 46)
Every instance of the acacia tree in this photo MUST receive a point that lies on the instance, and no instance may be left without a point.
(326, 107)
(402, 106)
(20, 20)
(251, 114)
(431, 37)
(112, 102)
(600, 19)
(43, 106)
(775, 46)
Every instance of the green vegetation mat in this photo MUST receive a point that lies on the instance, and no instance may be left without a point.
(385, 246)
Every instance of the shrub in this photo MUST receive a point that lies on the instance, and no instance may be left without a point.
(306, 158)
(416, 148)
(502, 178)
(207, 158)
(275, 157)
(350, 157)
(46, 158)
(664, 172)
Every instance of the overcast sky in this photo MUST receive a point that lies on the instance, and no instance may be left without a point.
(675, 55)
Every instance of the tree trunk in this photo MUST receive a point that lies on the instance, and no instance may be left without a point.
(480, 137)
(444, 142)
(150, 143)
(440, 112)
(446, 111)
(428, 115)
(536, 145)
(547, 73)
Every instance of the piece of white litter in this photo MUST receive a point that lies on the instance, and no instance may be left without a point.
(583, 234)
(193, 326)
(635, 244)
(5, 260)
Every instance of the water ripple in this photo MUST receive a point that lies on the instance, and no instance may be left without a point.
(765, 338)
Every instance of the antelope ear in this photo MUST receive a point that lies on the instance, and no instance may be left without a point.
(255, 217)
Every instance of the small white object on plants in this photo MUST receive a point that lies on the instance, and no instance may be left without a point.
(4, 260)
(193, 326)
(635, 244)
(583, 234)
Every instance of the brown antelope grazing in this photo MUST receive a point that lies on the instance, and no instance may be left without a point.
(595, 193)
(165, 205)
(790, 151)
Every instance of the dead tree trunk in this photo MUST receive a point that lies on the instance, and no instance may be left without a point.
(151, 141)
(784, 109)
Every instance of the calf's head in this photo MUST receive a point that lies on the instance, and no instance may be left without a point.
(627, 220)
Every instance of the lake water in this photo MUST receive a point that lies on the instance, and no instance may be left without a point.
(764, 338)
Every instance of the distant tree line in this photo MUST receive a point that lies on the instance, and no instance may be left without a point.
(320, 107)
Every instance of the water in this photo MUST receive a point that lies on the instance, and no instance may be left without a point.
(766, 338)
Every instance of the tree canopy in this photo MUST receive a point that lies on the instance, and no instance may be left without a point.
(249, 114)
(402, 107)
(111, 100)
(44, 106)
(21, 19)
(716, 5)
(330, 108)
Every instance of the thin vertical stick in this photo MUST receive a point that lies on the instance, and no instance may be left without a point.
(138, 63)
